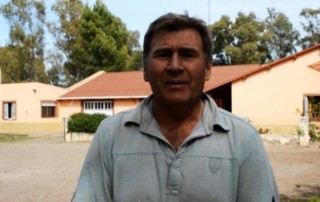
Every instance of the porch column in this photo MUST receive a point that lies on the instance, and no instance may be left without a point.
(304, 138)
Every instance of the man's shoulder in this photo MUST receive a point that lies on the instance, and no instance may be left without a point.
(237, 121)
(225, 119)
(234, 117)
(119, 118)
(132, 115)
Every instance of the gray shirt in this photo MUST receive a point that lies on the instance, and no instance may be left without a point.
(129, 160)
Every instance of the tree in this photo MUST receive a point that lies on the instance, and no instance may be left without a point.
(135, 52)
(282, 37)
(56, 72)
(247, 45)
(108, 44)
(135, 61)
(68, 39)
(311, 27)
(25, 50)
(240, 42)
(9, 65)
(221, 37)
(105, 40)
(92, 39)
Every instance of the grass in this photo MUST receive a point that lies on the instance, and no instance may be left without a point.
(13, 137)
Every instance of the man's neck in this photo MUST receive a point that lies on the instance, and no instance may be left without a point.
(177, 121)
(177, 113)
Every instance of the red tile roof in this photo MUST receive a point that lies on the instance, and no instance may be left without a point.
(119, 85)
(221, 75)
(292, 57)
(112, 85)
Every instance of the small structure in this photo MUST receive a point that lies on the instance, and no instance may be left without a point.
(30, 108)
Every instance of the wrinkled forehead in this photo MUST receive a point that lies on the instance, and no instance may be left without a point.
(184, 38)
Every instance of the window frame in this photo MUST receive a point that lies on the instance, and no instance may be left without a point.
(12, 110)
(98, 106)
(47, 105)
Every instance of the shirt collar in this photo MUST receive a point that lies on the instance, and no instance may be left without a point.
(143, 116)
(212, 118)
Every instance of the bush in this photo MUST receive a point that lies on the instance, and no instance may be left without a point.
(313, 132)
(84, 123)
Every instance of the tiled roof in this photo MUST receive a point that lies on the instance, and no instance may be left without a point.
(221, 75)
(117, 85)
(292, 57)
(112, 85)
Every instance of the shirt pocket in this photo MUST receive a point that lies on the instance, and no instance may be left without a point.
(209, 178)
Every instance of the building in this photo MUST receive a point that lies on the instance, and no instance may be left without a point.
(30, 108)
(276, 96)
(107, 93)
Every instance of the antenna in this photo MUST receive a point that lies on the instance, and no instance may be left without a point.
(209, 12)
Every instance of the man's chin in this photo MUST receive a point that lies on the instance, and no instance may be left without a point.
(177, 100)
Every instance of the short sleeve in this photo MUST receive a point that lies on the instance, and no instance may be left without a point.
(256, 181)
(94, 180)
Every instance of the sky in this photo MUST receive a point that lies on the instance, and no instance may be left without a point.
(137, 14)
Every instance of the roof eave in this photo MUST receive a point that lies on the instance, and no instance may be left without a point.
(104, 97)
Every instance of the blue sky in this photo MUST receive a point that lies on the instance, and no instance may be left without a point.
(137, 14)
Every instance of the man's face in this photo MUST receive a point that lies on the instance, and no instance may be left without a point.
(176, 67)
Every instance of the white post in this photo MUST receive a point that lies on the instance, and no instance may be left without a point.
(304, 139)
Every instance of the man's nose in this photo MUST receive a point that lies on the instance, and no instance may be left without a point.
(175, 62)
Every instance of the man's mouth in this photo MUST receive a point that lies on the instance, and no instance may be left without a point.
(176, 83)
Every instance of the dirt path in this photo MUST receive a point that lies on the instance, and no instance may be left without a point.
(45, 169)
(297, 170)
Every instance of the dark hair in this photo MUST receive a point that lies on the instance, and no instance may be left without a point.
(174, 22)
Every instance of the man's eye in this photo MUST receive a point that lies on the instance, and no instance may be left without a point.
(162, 54)
(188, 54)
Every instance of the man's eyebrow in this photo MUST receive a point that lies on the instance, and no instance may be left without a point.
(188, 48)
(164, 48)
(182, 48)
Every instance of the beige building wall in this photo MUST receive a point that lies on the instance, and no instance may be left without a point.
(69, 107)
(124, 104)
(273, 97)
(28, 98)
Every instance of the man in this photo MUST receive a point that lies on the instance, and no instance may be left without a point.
(177, 145)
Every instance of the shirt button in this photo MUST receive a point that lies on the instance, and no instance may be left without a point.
(172, 191)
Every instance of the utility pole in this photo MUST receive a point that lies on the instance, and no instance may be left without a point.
(209, 12)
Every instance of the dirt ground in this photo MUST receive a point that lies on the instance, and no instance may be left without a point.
(46, 169)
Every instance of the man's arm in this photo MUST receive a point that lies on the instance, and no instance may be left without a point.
(256, 180)
(94, 181)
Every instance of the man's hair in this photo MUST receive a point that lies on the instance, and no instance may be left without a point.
(174, 22)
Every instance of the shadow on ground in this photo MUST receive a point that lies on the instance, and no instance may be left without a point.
(303, 193)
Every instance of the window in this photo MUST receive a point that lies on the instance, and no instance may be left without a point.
(9, 110)
(101, 107)
(48, 109)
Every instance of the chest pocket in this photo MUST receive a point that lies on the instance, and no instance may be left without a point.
(205, 178)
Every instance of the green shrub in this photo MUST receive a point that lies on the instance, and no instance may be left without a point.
(313, 132)
(84, 123)
(314, 199)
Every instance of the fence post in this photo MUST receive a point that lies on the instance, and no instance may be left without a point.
(304, 138)
(65, 128)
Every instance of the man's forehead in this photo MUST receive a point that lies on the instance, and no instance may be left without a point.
(182, 39)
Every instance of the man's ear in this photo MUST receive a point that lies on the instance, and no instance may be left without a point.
(208, 72)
